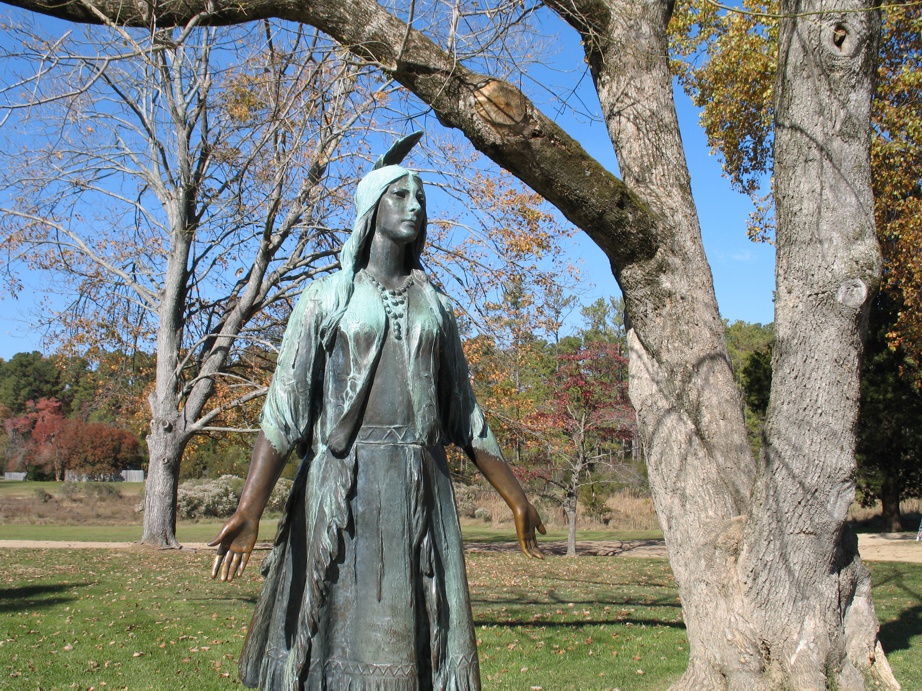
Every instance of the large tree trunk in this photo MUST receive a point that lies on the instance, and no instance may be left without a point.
(165, 448)
(773, 593)
(168, 427)
(700, 466)
(804, 583)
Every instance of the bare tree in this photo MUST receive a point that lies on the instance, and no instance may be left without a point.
(180, 187)
(773, 591)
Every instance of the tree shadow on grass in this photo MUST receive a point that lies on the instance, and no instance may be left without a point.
(896, 635)
(35, 596)
(602, 621)
(235, 599)
(648, 612)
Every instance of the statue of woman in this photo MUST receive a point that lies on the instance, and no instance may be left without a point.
(365, 586)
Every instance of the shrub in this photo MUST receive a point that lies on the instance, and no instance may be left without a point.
(69, 490)
(43, 496)
(483, 514)
(102, 490)
(219, 498)
(465, 499)
(209, 498)
(279, 495)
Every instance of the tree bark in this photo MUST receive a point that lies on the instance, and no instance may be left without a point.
(778, 578)
(165, 448)
(681, 384)
(799, 567)
(570, 510)
(168, 435)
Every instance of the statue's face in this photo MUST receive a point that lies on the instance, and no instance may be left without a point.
(401, 210)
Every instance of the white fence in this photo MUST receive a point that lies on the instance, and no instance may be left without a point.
(70, 476)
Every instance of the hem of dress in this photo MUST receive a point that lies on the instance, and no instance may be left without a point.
(350, 676)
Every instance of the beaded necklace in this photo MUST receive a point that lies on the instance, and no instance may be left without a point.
(394, 302)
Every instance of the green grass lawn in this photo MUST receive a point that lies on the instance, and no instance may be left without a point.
(475, 533)
(898, 601)
(10, 488)
(139, 619)
(204, 531)
(588, 623)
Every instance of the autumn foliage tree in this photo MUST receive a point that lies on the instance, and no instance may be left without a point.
(514, 269)
(33, 435)
(89, 421)
(96, 450)
(49, 443)
(560, 400)
(896, 166)
(585, 424)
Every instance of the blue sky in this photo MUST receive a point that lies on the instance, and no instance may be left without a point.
(743, 271)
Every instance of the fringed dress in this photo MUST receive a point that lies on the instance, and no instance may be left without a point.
(365, 586)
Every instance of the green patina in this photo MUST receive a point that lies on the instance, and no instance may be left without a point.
(366, 584)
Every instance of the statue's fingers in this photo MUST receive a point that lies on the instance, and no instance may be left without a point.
(523, 545)
(541, 528)
(216, 567)
(243, 563)
(233, 566)
(536, 550)
(225, 568)
(531, 547)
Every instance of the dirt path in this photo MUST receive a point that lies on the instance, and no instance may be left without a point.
(873, 547)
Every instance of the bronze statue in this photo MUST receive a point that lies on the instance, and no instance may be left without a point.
(365, 586)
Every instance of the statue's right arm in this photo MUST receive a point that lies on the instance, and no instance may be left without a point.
(237, 538)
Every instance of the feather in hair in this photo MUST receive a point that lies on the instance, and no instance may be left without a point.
(398, 151)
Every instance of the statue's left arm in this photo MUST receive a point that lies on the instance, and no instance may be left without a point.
(465, 424)
(485, 453)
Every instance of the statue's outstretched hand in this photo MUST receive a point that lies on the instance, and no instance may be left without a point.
(527, 521)
(235, 544)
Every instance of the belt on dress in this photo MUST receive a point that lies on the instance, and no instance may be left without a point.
(388, 434)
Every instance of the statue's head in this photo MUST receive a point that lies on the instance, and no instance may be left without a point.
(368, 194)
(401, 211)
